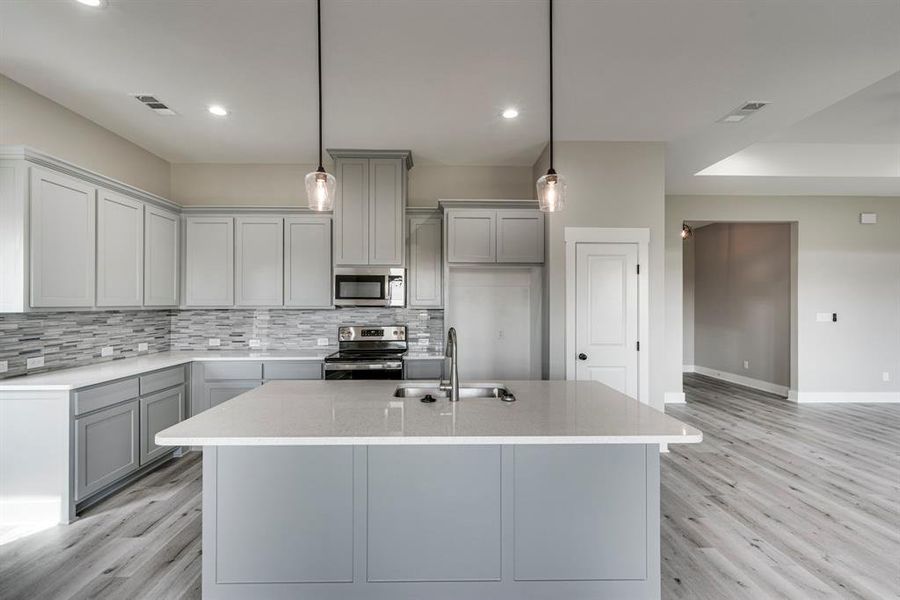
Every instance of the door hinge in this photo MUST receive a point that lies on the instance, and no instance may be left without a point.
(639, 269)
(638, 346)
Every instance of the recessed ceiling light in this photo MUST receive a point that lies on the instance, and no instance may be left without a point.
(510, 113)
(218, 110)
(93, 3)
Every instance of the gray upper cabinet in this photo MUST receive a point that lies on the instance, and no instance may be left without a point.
(482, 235)
(161, 262)
(106, 447)
(62, 239)
(520, 236)
(351, 212)
(259, 271)
(120, 250)
(425, 266)
(307, 262)
(369, 206)
(209, 261)
(386, 206)
(472, 236)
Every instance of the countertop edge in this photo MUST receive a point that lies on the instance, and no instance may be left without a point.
(431, 441)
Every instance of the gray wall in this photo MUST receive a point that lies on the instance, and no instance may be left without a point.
(197, 184)
(842, 267)
(610, 184)
(742, 299)
(29, 119)
(688, 296)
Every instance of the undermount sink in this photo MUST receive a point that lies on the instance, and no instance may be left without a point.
(486, 390)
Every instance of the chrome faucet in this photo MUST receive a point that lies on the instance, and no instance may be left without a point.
(452, 386)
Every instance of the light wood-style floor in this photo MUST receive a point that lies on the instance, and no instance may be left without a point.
(779, 501)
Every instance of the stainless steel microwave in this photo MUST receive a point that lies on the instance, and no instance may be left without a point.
(369, 286)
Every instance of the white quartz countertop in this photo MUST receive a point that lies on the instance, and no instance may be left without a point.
(319, 413)
(79, 377)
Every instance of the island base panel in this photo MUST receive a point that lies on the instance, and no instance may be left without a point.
(436, 522)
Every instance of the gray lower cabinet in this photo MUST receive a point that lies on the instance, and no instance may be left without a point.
(423, 368)
(106, 447)
(218, 392)
(159, 411)
(214, 382)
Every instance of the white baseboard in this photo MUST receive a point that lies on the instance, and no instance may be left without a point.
(850, 397)
(674, 398)
(663, 448)
(688, 369)
(757, 384)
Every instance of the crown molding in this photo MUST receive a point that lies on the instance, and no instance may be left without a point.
(487, 203)
(336, 153)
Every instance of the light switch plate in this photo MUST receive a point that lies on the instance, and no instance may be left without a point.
(4, 366)
(214, 342)
(322, 342)
(746, 364)
(143, 347)
(254, 344)
(823, 317)
(886, 376)
(106, 351)
(34, 363)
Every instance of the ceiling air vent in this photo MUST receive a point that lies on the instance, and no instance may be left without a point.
(154, 104)
(743, 111)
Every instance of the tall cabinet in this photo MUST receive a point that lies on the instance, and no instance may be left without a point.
(370, 200)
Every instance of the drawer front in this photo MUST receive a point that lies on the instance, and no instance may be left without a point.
(285, 369)
(161, 380)
(106, 447)
(159, 411)
(232, 370)
(423, 369)
(105, 395)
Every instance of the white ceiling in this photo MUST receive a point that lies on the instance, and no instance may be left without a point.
(433, 76)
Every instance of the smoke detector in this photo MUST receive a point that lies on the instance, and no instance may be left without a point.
(747, 109)
(154, 104)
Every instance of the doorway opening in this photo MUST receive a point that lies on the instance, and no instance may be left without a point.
(739, 303)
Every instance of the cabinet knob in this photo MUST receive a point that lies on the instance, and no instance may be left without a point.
(582, 356)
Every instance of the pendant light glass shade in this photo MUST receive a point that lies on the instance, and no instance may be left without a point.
(320, 190)
(551, 192)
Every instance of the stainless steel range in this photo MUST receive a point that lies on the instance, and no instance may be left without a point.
(368, 352)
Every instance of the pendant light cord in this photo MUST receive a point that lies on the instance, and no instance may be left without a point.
(551, 83)
(319, 50)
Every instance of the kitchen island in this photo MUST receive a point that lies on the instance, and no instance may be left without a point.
(338, 489)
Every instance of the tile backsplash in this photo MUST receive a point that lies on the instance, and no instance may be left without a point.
(285, 329)
(71, 339)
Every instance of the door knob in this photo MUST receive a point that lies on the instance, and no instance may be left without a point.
(582, 356)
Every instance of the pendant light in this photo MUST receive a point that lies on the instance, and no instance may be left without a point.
(320, 183)
(551, 188)
(687, 232)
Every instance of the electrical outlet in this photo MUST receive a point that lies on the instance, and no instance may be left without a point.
(214, 342)
(34, 363)
(886, 376)
(143, 347)
(4, 366)
(106, 351)
(254, 344)
(746, 364)
(322, 342)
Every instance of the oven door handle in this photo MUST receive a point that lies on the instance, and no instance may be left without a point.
(355, 366)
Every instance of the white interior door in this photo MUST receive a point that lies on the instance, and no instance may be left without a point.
(496, 313)
(606, 313)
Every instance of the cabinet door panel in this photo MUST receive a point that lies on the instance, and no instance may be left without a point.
(472, 236)
(386, 211)
(158, 412)
(259, 270)
(220, 391)
(210, 261)
(63, 240)
(307, 262)
(106, 445)
(351, 212)
(120, 250)
(160, 257)
(425, 267)
(520, 236)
